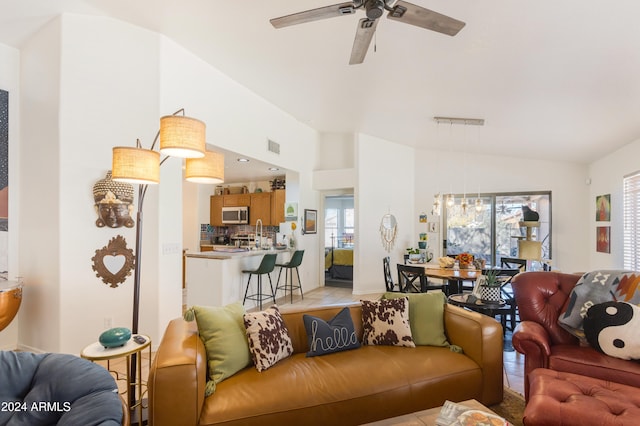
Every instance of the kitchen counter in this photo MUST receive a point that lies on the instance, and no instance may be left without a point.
(230, 252)
(215, 278)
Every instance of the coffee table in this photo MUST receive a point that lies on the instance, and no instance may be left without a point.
(425, 417)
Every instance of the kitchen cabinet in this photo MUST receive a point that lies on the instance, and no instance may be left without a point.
(215, 210)
(260, 208)
(236, 200)
(277, 206)
(267, 206)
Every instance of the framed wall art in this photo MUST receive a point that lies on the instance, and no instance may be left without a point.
(603, 235)
(4, 184)
(291, 211)
(310, 221)
(603, 208)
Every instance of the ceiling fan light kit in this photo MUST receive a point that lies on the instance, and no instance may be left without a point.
(400, 11)
(375, 8)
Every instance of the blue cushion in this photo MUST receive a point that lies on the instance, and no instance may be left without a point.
(58, 389)
(335, 335)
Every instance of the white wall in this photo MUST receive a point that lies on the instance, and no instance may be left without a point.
(385, 184)
(92, 83)
(444, 172)
(606, 177)
(10, 81)
(336, 151)
(40, 243)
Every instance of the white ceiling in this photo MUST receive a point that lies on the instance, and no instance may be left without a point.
(552, 79)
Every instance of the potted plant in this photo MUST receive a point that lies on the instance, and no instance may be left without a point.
(490, 287)
(414, 254)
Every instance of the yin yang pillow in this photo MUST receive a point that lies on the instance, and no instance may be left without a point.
(612, 328)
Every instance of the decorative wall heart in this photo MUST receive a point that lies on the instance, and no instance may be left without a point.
(114, 262)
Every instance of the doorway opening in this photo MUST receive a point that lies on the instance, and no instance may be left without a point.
(339, 238)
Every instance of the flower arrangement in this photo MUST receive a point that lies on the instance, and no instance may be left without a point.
(465, 259)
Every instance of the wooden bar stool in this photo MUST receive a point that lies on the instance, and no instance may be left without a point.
(267, 265)
(296, 260)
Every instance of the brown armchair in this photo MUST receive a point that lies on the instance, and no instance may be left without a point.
(541, 298)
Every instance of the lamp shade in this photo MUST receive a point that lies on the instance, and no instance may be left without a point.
(529, 250)
(182, 136)
(208, 169)
(135, 165)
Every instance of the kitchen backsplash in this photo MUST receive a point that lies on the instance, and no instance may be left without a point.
(208, 232)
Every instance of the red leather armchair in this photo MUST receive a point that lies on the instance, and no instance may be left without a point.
(541, 298)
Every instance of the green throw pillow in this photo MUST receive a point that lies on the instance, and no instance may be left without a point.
(426, 317)
(223, 333)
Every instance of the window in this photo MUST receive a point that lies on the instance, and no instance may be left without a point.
(492, 231)
(330, 227)
(631, 193)
(339, 222)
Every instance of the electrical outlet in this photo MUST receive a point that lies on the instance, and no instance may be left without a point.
(108, 322)
(171, 248)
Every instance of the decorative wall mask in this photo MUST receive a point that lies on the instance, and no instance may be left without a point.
(388, 231)
(113, 263)
(113, 203)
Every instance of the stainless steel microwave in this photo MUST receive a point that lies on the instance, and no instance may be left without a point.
(235, 215)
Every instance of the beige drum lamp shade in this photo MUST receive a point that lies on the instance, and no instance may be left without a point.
(182, 136)
(208, 169)
(529, 250)
(135, 165)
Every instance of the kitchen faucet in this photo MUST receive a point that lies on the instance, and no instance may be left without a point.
(258, 234)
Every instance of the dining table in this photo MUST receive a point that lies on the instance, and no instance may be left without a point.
(454, 277)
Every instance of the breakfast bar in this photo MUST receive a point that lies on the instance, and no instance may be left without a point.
(215, 278)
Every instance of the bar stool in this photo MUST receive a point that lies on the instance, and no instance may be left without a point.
(266, 267)
(296, 260)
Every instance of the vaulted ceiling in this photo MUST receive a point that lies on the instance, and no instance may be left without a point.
(552, 79)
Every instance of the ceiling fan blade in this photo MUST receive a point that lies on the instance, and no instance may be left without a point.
(364, 34)
(314, 15)
(419, 16)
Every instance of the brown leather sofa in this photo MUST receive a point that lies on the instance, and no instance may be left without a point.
(350, 387)
(541, 298)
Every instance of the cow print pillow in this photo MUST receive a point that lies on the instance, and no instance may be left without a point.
(268, 336)
(386, 322)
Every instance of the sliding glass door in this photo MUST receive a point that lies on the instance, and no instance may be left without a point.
(490, 229)
(470, 228)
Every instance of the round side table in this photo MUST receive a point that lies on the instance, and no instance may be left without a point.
(487, 308)
(132, 352)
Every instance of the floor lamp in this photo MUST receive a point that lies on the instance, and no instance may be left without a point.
(179, 136)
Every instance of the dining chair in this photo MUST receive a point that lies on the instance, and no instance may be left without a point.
(513, 263)
(413, 279)
(388, 280)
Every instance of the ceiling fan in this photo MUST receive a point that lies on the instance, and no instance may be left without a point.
(400, 10)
